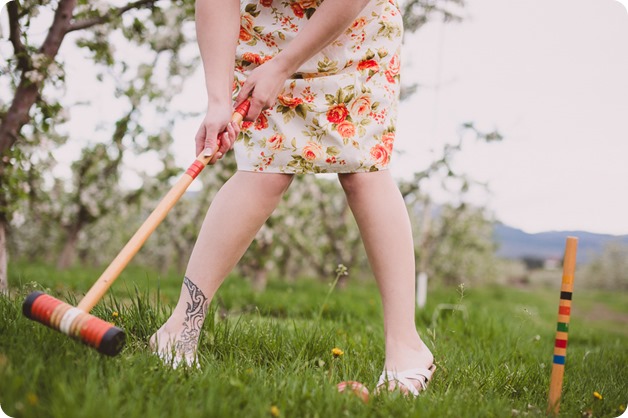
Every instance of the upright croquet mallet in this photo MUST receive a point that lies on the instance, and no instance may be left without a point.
(77, 322)
(562, 328)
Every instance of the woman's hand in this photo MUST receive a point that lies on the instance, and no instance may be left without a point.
(262, 86)
(217, 132)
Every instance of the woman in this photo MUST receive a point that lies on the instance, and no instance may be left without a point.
(323, 80)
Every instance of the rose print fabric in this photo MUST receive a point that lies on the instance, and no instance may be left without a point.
(337, 113)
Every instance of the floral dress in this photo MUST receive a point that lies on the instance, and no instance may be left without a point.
(337, 113)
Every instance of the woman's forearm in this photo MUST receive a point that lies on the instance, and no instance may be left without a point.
(217, 28)
(329, 21)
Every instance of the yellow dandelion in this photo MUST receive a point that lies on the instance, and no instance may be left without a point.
(32, 399)
(336, 352)
(597, 395)
(274, 411)
(115, 314)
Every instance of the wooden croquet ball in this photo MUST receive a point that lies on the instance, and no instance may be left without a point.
(356, 387)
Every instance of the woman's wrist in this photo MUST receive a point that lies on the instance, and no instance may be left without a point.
(286, 63)
(217, 100)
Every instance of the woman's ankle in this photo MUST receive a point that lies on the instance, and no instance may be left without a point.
(182, 330)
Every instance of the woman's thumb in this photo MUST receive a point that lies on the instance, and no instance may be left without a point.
(212, 144)
(245, 92)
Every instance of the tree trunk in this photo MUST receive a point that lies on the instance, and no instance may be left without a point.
(260, 271)
(260, 279)
(28, 91)
(4, 282)
(26, 95)
(68, 255)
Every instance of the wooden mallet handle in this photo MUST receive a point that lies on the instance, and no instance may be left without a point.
(123, 258)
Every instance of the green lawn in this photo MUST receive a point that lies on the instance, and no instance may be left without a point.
(267, 350)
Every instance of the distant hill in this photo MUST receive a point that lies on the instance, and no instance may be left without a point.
(514, 243)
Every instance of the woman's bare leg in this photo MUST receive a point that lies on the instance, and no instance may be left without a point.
(237, 212)
(385, 227)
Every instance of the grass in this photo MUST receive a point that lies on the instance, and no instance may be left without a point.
(271, 350)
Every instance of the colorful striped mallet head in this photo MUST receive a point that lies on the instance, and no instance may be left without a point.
(91, 330)
(562, 327)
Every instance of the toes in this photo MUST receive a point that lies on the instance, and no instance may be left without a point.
(165, 347)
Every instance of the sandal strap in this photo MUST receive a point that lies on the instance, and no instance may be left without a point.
(406, 378)
(417, 373)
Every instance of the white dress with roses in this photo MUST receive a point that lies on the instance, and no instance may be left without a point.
(337, 113)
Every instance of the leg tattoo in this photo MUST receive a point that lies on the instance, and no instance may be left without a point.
(194, 317)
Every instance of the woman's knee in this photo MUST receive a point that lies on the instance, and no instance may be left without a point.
(281, 182)
(349, 182)
(271, 183)
(355, 182)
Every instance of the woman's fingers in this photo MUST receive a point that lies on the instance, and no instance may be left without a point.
(214, 139)
(212, 144)
(218, 154)
(228, 137)
(232, 131)
(236, 131)
(245, 92)
(199, 139)
(225, 141)
(257, 105)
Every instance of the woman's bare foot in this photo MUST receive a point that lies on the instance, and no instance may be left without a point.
(177, 339)
(173, 348)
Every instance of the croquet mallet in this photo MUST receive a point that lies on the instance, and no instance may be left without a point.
(77, 322)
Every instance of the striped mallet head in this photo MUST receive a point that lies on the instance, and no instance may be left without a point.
(93, 331)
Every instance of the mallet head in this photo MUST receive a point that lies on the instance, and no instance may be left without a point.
(91, 330)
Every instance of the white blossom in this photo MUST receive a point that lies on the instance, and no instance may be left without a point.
(34, 76)
(39, 60)
(18, 219)
(144, 71)
(54, 70)
(64, 115)
(101, 7)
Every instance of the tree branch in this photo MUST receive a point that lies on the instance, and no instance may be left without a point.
(59, 28)
(27, 91)
(88, 23)
(15, 35)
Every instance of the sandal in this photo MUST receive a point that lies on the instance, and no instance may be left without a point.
(406, 378)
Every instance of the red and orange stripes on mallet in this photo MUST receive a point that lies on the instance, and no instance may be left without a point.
(93, 331)
(562, 327)
(195, 169)
(77, 322)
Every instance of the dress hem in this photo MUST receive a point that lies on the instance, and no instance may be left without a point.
(310, 172)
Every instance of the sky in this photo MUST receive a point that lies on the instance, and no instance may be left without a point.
(551, 77)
